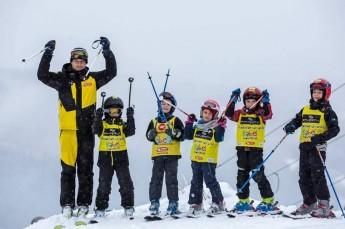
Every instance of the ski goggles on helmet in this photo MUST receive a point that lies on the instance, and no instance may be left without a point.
(79, 53)
(113, 110)
(211, 105)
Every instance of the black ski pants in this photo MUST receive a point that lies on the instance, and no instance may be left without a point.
(312, 180)
(109, 163)
(247, 160)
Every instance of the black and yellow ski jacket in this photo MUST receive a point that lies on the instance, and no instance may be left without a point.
(77, 92)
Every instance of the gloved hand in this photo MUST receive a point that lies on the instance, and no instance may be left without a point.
(191, 119)
(289, 128)
(152, 134)
(316, 140)
(265, 96)
(235, 94)
(222, 122)
(50, 46)
(174, 133)
(105, 43)
(130, 112)
(99, 113)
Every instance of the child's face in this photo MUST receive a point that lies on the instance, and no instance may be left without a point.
(114, 112)
(166, 107)
(206, 115)
(249, 103)
(317, 94)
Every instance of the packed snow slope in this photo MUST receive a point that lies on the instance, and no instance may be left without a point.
(115, 219)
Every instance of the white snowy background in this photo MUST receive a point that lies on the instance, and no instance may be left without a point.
(211, 47)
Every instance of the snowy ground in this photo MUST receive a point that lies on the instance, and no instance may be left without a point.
(115, 219)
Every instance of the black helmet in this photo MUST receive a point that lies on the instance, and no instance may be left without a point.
(113, 102)
(168, 96)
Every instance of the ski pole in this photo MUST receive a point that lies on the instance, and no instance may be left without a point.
(34, 55)
(103, 94)
(166, 80)
(130, 79)
(256, 103)
(160, 110)
(330, 181)
(255, 171)
(94, 60)
(168, 102)
(227, 106)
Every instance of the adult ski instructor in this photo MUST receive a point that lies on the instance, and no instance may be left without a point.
(77, 88)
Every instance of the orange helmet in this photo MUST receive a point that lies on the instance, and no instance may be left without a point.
(323, 85)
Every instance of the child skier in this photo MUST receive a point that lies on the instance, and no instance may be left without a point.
(319, 124)
(165, 136)
(251, 121)
(206, 135)
(113, 155)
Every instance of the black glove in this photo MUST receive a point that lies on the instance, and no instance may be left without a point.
(50, 46)
(174, 133)
(105, 43)
(99, 113)
(316, 140)
(130, 112)
(289, 128)
(152, 134)
(169, 132)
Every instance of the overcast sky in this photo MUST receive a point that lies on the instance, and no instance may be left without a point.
(211, 47)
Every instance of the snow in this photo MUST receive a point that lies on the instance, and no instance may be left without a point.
(115, 218)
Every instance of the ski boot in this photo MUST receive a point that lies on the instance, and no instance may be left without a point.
(195, 211)
(154, 207)
(215, 209)
(304, 209)
(99, 213)
(67, 211)
(82, 211)
(323, 210)
(128, 212)
(173, 208)
(243, 205)
(268, 207)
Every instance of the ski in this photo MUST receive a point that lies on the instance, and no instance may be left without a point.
(291, 216)
(232, 214)
(152, 218)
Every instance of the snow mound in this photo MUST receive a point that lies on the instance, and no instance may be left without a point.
(115, 218)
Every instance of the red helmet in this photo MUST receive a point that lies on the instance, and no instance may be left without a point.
(211, 105)
(323, 85)
(252, 93)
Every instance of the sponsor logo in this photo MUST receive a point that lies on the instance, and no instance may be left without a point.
(87, 84)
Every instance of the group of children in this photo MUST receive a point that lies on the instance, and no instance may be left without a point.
(318, 124)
